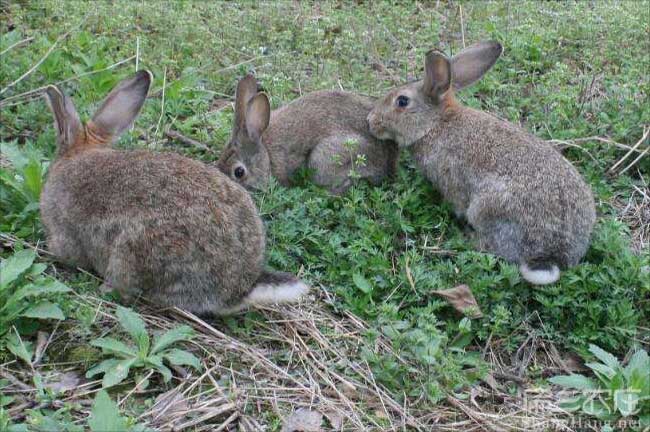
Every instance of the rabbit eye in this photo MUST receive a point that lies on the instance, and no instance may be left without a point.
(402, 101)
(239, 172)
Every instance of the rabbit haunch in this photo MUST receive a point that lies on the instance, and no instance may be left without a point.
(526, 203)
(154, 225)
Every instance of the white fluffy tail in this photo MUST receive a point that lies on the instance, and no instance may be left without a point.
(287, 292)
(540, 276)
(271, 288)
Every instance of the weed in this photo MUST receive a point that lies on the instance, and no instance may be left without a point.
(125, 357)
(617, 392)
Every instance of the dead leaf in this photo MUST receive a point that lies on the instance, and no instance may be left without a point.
(64, 382)
(490, 381)
(335, 419)
(42, 339)
(462, 299)
(303, 420)
(168, 406)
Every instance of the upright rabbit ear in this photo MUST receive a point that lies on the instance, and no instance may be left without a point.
(66, 119)
(473, 62)
(246, 91)
(258, 116)
(122, 106)
(438, 75)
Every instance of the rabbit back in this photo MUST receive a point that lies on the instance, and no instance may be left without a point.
(158, 225)
(525, 200)
(336, 122)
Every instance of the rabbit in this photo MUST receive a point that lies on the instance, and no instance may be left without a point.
(525, 202)
(325, 131)
(158, 225)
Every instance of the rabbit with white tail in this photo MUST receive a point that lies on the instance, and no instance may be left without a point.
(156, 225)
(525, 202)
(325, 131)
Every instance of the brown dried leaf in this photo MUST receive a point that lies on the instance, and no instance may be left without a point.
(64, 382)
(169, 406)
(335, 419)
(303, 420)
(462, 299)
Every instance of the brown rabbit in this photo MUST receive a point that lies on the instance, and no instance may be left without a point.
(325, 131)
(157, 225)
(525, 201)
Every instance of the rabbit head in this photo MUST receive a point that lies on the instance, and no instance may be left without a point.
(114, 116)
(245, 158)
(409, 112)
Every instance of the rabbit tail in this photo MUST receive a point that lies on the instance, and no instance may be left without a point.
(540, 273)
(276, 287)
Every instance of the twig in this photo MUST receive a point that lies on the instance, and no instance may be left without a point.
(162, 102)
(17, 44)
(38, 63)
(4, 102)
(137, 53)
(638, 158)
(462, 24)
(646, 131)
(172, 134)
(250, 60)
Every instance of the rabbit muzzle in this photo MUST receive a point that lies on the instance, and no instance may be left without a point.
(375, 125)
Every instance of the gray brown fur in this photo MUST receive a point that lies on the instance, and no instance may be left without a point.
(156, 225)
(308, 132)
(525, 201)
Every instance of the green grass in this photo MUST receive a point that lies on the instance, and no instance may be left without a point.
(570, 70)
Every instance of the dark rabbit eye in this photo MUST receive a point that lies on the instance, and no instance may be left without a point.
(402, 101)
(239, 172)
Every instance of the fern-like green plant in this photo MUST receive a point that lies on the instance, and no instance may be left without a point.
(24, 292)
(20, 190)
(141, 353)
(615, 392)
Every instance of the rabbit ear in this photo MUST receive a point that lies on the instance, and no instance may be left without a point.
(66, 119)
(122, 105)
(258, 116)
(246, 91)
(438, 74)
(473, 62)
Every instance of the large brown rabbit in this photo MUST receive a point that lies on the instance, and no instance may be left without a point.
(525, 201)
(156, 225)
(325, 131)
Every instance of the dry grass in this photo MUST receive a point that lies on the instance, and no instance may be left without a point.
(299, 358)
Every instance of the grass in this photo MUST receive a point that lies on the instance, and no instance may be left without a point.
(570, 71)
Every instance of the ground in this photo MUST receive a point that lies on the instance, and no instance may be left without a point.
(374, 348)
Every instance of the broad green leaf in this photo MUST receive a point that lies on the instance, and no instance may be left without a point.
(640, 362)
(117, 373)
(572, 404)
(12, 267)
(179, 357)
(134, 325)
(626, 402)
(180, 333)
(604, 372)
(596, 408)
(156, 361)
(33, 179)
(575, 381)
(105, 415)
(102, 367)
(20, 348)
(113, 346)
(44, 310)
(362, 283)
(51, 286)
(604, 356)
(37, 269)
